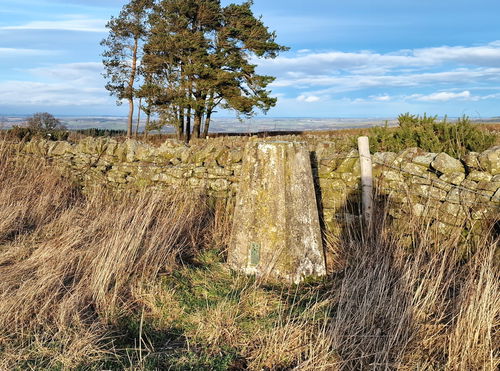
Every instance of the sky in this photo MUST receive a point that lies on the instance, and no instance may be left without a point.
(347, 58)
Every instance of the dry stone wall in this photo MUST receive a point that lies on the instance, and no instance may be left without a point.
(456, 193)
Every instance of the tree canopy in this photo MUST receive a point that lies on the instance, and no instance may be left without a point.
(197, 55)
(44, 121)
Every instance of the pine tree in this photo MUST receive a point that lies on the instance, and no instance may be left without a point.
(123, 52)
(200, 54)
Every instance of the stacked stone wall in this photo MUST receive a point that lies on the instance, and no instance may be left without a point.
(456, 193)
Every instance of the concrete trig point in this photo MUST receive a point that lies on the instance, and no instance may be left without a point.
(276, 230)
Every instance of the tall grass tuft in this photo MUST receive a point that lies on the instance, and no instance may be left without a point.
(417, 306)
(80, 275)
(69, 263)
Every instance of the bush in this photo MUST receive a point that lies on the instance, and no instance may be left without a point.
(28, 133)
(431, 135)
(94, 132)
(40, 125)
(44, 121)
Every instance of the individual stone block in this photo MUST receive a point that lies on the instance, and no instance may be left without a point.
(220, 185)
(392, 176)
(348, 164)
(334, 193)
(428, 179)
(490, 160)
(425, 160)
(488, 186)
(471, 160)
(386, 158)
(219, 172)
(431, 192)
(60, 148)
(446, 164)
(453, 178)
(454, 210)
(478, 176)
(414, 169)
(276, 230)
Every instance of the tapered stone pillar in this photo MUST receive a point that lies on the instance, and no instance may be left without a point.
(276, 230)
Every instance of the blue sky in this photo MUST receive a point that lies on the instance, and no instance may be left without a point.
(348, 58)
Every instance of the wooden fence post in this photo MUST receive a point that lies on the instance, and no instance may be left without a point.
(365, 160)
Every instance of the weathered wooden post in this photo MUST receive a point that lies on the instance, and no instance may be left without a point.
(276, 230)
(365, 160)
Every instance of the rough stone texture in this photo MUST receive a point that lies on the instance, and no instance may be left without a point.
(276, 230)
(214, 167)
(446, 164)
(478, 176)
(490, 160)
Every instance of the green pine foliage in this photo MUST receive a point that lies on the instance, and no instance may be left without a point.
(432, 135)
(185, 58)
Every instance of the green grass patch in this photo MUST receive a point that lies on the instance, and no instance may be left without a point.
(205, 317)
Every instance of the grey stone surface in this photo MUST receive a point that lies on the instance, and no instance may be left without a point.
(276, 231)
(490, 160)
(446, 164)
(214, 167)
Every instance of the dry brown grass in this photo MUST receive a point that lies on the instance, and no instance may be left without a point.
(69, 264)
(417, 307)
(74, 267)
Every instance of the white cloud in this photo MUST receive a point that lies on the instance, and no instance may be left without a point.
(327, 84)
(28, 93)
(336, 72)
(444, 96)
(17, 52)
(70, 23)
(327, 62)
(308, 98)
(486, 55)
(61, 85)
(84, 72)
(381, 98)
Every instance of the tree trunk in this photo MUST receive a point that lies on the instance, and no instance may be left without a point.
(187, 133)
(130, 117)
(138, 119)
(146, 128)
(207, 123)
(180, 124)
(133, 72)
(198, 116)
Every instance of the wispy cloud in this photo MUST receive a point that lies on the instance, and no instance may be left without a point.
(14, 93)
(351, 82)
(444, 96)
(435, 97)
(449, 69)
(381, 98)
(72, 23)
(327, 62)
(19, 52)
(64, 85)
(84, 72)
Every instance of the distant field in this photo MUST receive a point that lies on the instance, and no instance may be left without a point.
(232, 125)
